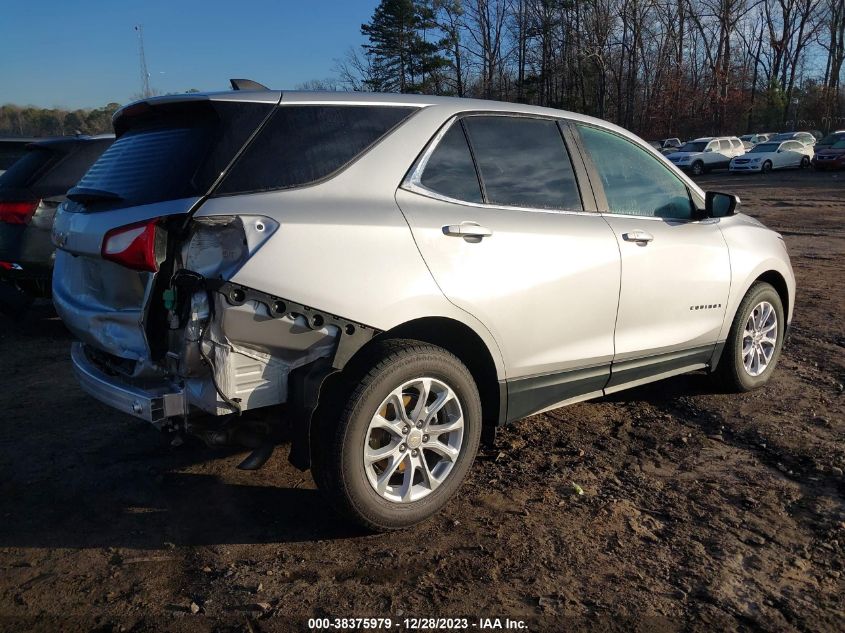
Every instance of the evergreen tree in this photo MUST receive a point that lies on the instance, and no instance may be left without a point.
(401, 59)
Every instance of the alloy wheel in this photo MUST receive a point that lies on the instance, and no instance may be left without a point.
(759, 339)
(413, 440)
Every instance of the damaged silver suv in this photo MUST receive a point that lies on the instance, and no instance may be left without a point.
(396, 276)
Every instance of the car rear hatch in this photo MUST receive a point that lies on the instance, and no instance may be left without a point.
(122, 223)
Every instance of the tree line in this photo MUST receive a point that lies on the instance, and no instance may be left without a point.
(31, 121)
(658, 67)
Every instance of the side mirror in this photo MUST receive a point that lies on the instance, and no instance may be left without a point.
(720, 205)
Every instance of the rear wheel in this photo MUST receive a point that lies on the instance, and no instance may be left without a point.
(404, 439)
(755, 340)
(805, 162)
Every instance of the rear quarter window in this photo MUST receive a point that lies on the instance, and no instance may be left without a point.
(301, 145)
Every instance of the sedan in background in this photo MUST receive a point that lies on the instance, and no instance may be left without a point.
(832, 157)
(30, 191)
(803, 137)
(830, 140)
(750, 140)
(768, 156)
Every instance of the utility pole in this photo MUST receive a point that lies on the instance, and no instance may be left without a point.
(146, 91)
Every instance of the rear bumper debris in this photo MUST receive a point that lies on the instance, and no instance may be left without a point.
(154, 403)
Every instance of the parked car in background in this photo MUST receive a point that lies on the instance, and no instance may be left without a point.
(401, 270)
(832, 157)
(667, 145)
(817, 134)
(774, 155)
(830, 140)
(30, 191)
(750, 140)
(706, 153)
(804, 137)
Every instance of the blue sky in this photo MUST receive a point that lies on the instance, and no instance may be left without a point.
(77, 53)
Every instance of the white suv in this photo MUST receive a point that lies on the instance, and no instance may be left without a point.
(402, 273)
(706, 153)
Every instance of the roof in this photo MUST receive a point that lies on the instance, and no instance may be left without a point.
(450, 105)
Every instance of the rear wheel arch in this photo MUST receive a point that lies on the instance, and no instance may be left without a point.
(465, 343)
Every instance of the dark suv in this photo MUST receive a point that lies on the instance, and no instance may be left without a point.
(30, 191)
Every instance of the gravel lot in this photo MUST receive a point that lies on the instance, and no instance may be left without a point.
(700, 510)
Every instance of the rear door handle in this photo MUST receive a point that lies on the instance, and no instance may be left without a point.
(466, 229)
(638, 236)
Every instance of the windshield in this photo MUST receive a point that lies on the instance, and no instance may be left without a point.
(747, 137)
(786, 136)
(693, 147)
(838, 145)
(764, 147)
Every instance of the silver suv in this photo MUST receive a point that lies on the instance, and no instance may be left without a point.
(402, 273)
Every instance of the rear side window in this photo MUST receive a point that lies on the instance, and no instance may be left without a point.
(725, 144)
(523, 162)
(303, 144)
(167, 152)
(450, 170)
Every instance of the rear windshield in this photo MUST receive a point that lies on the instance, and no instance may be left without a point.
(304, 144)
(11, 152)
(24, 171)
(167, 152)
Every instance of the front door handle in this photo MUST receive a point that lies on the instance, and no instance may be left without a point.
(638, 236)
(467, 229)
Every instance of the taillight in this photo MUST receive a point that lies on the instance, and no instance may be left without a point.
(133, 246)
(17, 212)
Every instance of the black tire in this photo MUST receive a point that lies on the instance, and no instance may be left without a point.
(730, 372)
(337, 460)
(805, 162)
(767, 167)
(697, 168)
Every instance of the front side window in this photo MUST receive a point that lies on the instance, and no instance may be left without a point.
(634, 181)
(523, 162)
(449, 170)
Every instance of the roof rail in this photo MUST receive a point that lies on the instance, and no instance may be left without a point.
(247, 84)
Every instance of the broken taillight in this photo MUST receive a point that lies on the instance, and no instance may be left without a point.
(132, 246)
(18, 212)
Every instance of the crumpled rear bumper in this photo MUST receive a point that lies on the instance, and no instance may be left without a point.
(154, 402)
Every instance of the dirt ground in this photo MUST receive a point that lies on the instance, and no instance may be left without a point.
(701, 510)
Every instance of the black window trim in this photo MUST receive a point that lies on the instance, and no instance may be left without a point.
(598, 186)
(213, 192)
(413, 179)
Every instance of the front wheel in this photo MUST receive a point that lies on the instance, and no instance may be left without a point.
(405, 438)
(697, 168)
(755, 340)
(767, 167)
